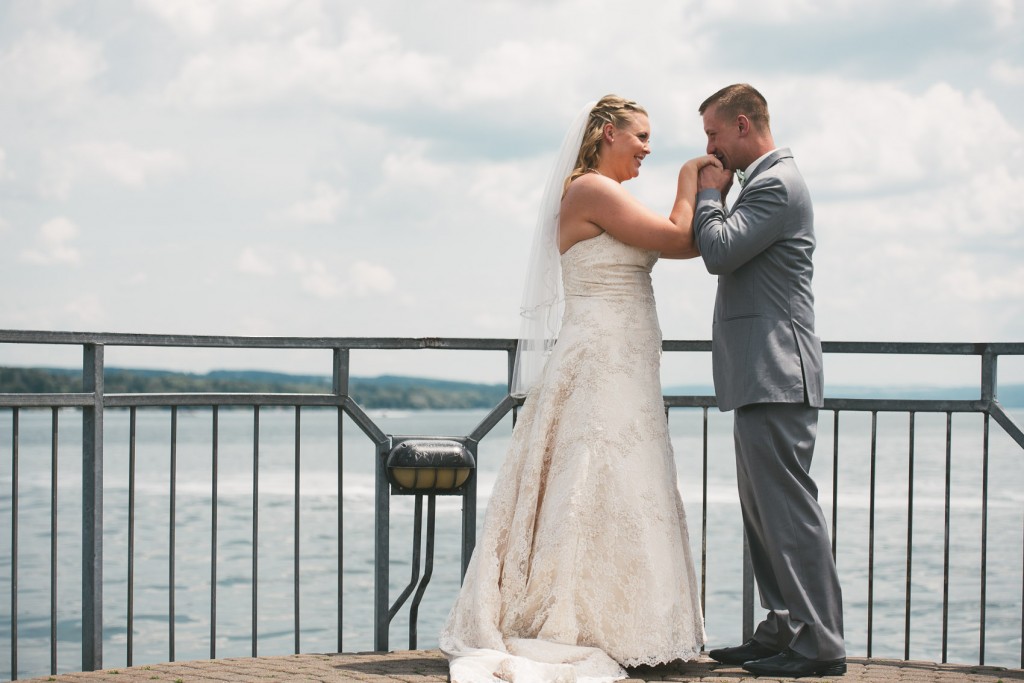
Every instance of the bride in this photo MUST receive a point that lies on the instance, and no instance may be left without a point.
(583, 566)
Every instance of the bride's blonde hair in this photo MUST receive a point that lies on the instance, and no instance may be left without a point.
(612, 109)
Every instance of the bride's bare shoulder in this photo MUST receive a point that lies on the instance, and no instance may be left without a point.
(588, 185)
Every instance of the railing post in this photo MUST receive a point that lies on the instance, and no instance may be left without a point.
(92, 510)
(339, 385)
(382, 553)
(469, 516)
(988, 375)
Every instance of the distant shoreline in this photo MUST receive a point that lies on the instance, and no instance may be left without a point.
(394, 391)
(391, 392)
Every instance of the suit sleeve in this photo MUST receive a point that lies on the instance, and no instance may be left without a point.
(756, 222)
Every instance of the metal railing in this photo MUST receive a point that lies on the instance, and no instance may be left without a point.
(94, 401)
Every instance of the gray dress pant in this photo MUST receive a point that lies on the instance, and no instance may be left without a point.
(786, 530)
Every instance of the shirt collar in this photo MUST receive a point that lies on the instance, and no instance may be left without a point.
(742, 176)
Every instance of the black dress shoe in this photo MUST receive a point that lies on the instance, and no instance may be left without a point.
(741, 654)
(793, 665)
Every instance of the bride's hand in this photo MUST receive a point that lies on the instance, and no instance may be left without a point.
(688, 174)
(696, 164)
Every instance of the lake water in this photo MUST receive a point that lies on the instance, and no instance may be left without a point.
(318, 535)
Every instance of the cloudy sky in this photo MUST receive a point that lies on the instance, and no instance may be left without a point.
(322, 168)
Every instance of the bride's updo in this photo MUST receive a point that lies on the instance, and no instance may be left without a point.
(612, 109)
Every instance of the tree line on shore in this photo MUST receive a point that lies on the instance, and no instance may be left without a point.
(387, 391)
(408, 393)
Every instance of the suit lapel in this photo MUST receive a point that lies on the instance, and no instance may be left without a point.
(766, 163)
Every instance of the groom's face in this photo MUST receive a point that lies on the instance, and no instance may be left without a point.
(723, 139)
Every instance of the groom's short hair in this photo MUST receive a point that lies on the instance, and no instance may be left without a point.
(736, 99)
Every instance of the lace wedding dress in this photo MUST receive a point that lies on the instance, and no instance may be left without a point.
(584, 564)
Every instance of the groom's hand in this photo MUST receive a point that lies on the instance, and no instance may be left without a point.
(714, 176)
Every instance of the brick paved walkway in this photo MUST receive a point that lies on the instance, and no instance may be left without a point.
(428, 666)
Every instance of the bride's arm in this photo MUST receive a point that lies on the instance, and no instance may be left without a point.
(604, 204)
(686, 201)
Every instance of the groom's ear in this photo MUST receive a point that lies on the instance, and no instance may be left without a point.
(743, 124)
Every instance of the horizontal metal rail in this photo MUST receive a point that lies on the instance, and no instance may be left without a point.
(279, 343)
(458, 343)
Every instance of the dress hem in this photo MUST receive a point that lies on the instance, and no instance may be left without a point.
(680, 656)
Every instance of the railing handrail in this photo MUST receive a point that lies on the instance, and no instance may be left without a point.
(254, 342)
(456, 343)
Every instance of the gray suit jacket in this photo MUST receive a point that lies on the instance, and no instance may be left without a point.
(764, 349)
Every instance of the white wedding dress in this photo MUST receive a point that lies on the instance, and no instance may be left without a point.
(584, 565)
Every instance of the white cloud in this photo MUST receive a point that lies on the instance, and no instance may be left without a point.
(972, 282)
(321, 280)
(128, 165)
(784, 12)
(53, 244)
(125, 164)
(491, 323)
(251, 262)
(517, 69)
(85, 309)
(5, 173)
(369, 66)
(1006, 73)
(857, 137)
(780, 12)
(201, 18)
(457, 201)
(322, 207)
(369, 278)
(54, 64)
(411, 172)
(316, 278)
(508, 189)
(989, 207)
(189, 16)
(1004, 12)
(983, 206)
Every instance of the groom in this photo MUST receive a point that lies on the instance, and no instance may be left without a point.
(767, 366)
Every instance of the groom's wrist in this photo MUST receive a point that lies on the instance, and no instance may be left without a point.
(709, 194)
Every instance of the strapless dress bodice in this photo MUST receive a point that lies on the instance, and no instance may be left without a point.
(602, 267)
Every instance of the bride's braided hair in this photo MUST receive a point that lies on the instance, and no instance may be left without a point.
(612, 109)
